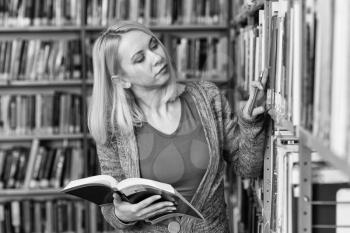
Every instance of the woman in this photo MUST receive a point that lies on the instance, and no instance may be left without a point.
(147, 125)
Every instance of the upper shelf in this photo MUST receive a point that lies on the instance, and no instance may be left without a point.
(311, 141)
(40, 29)
(171, 28)
(78, 29)
(247, 10)
(90, 82)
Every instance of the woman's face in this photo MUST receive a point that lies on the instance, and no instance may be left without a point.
(143, 60)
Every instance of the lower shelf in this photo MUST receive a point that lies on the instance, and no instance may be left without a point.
(35, 194)
(314, 143)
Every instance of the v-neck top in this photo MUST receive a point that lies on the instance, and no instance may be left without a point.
(180, 158)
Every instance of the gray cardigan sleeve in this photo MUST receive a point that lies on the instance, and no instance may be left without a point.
(110, 165)
(243, 141)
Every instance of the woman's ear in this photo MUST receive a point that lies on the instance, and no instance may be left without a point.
(119, 80)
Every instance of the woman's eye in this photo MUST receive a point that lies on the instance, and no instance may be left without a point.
(139, 59)
(154, 44)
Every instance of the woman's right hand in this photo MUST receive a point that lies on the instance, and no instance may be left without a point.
(128, 212)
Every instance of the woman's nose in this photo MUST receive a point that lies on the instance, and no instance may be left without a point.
(157, 59)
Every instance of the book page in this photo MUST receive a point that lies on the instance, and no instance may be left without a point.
(130, 182)
(99, 179)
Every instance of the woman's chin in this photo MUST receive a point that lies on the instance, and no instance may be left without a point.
(163, 78)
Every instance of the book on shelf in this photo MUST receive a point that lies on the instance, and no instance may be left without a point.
(195, 57)
(42, 166)
(328, 74)
(37, 13)
(342, 208)
(155, 12)
(40, 60)
(42, 216)
(273, 42)
(131, 190)
(49, 112)
(340, 107)
(284, 155)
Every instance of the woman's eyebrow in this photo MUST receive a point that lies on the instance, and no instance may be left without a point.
(150, 41)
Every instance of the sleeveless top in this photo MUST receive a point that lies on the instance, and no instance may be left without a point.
(180, 158)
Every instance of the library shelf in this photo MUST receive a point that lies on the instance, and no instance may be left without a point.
(50, 193)
(317, 144)
(319, 226)
(216, 81)
(41, 29)
(247, 10)
(41, 83)
(328, 202)
(29, 137)
(173, 28)
(280, 121)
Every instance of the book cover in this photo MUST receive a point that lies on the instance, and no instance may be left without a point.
(132, 190)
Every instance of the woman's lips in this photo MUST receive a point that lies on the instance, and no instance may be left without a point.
(162, 70)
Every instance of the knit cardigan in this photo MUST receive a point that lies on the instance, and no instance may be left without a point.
(230, 138)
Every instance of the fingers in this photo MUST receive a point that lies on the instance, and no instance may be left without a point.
(156, 209)
(258, 85)
(116, 199)
(261, 82)
(257, 111)
(265, 75)
(142, 210)
(159, 211)
(148, 201)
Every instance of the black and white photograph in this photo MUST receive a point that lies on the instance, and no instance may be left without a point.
(174, 116)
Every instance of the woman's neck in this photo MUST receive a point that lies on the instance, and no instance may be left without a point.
(151, 101)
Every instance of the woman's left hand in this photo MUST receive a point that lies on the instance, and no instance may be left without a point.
(257, 103)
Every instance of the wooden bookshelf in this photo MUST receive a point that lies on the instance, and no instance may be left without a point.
(35, 194)
(41, 29)
(90, 82)
(172, 28)
(82, 33)
(29, 137)
(21, 87)
(318, 145)
(44, 83)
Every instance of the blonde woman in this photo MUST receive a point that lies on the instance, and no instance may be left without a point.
(147, 125)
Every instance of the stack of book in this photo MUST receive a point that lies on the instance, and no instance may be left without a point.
(39, 13)
(47, 113)
(39, 60)
(41, 167)
(157, 12)
(28, 216)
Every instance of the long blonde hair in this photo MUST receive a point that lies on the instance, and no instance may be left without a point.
(112, 107)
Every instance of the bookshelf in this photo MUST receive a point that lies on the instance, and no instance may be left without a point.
(23, 29)
(31, 137)
(11, 195)
(303, 46)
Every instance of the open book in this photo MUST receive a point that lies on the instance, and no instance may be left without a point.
(99, 190)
